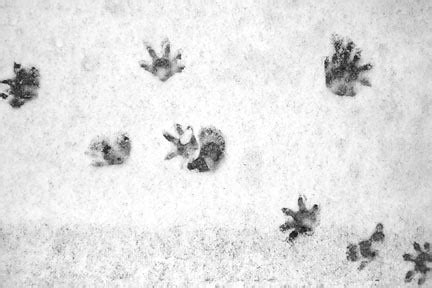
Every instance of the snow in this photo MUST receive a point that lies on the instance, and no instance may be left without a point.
(255, 71)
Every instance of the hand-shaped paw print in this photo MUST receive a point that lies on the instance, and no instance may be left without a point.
(23, 87)
(420, 260)
(343, 71)
(163, 67)
(211, 147)
(185, 145)
(110, 150)
(366, 250)
(302, 221)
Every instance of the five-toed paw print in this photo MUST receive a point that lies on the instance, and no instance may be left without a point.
(23, 87)
(366, 250)
(423, 255)
(343, 70)
(302, 221)
(163, 67)
(211, 146)
(110, 150)
(185, 145)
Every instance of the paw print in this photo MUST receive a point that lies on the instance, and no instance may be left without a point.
(302, 221)
(23, 87)
(163, 67)
(366, 250)
(106, 151)
(420, 260)
(343, 71)
(185, 145)
(211, 146)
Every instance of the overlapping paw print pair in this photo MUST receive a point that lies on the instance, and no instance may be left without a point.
(202, 155)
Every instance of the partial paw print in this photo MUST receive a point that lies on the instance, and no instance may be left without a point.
(302, 222)
(185, 144)
(210, 144)
(107, 151)
(343, 71)
(365, 246)
(423, 256)
(23, 87)
(165, 66)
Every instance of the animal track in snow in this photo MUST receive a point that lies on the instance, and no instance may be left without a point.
(303, 221)
(365, 246)
(23, 87)
(210, 144)
(107, 151)
(423, 255)
(342, 70)
(165, 66)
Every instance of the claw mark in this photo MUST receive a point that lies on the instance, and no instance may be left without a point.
(23, 87)
(343, 71)
(163, 67)
(302, 221)
(211, 146)
(423, 255)
(366, 250)
(106, 151)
